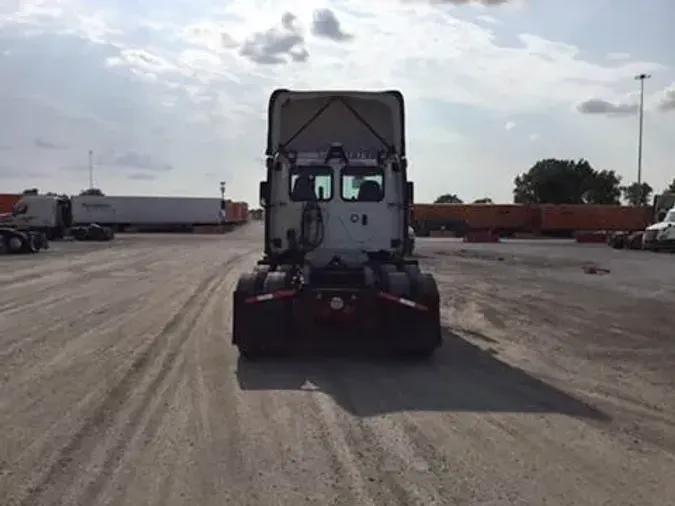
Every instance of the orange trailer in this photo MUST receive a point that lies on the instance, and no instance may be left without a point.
(7, 201)
(501, 218)
(574, 217)
(244, 211)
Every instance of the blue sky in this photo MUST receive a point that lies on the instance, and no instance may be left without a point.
(171, 95)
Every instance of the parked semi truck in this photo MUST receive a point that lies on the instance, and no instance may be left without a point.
(660, 235)
(56, 217)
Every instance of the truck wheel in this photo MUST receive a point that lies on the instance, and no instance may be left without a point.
(617, 241)
(32, 244)
(428, 329)
(14, 244)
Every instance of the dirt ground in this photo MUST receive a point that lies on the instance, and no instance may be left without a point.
(119, 386)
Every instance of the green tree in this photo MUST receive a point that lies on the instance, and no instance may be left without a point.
(637, 194)
(554, 181)
(604, 188)
(484, 200)
(448, 198)
(671, 186)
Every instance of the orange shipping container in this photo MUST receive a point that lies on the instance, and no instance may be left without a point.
(567, 217)
(229, 211)
(503, 217)
(7, 201)
(571, 217)
(239, 212)
(514, 217)
(438, 212)
(625, 217)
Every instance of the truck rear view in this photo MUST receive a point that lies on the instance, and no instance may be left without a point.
(336, 208)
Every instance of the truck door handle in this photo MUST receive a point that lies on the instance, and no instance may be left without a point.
(364, 219)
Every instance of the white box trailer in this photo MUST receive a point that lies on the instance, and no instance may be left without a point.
(88, 209)
(158, 212)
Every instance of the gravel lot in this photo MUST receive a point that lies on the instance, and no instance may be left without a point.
(118, 385)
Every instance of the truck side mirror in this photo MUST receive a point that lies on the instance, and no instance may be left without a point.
(264, 195)
(409, 193)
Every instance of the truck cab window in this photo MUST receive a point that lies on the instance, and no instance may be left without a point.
(311, 184)
(20, 208)
(362, 187)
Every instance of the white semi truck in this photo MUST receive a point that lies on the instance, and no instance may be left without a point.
(658, 236)
(58, 216)
(336, 269)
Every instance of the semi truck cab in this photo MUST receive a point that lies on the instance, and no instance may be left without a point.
(51, 215)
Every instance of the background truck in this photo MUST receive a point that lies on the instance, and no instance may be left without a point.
(53, 216)
(660, 235)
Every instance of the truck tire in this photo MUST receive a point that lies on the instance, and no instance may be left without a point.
(617, 241)
(428, 334)
(14, 244)
(259, 329)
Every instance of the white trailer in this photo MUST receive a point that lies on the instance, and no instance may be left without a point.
(88, 209)
(54, 217)
(163, 212)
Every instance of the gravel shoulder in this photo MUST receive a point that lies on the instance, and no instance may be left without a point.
(118, 385)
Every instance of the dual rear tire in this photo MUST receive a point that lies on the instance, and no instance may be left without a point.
(263, 329)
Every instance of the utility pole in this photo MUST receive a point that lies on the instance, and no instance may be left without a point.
(91, 169)
(641, 78)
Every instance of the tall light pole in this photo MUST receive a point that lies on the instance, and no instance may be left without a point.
(222, 190)
(641, 78)
(91, 169)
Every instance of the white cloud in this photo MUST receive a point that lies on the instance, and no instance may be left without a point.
(666, 102)
(510, 125)
(601, 106)
(488, 19)
(276, 45)
(187, 85)
(325, 24)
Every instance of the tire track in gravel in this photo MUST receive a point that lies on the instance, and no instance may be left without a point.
(55, 321)
(47, 268)
(14, 300)
(61, 472)
(205, 389)
(116, 471)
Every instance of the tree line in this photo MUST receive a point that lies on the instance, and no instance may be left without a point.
(556, 181)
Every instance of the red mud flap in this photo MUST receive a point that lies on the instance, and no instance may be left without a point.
(402, 301)
(281, 294)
